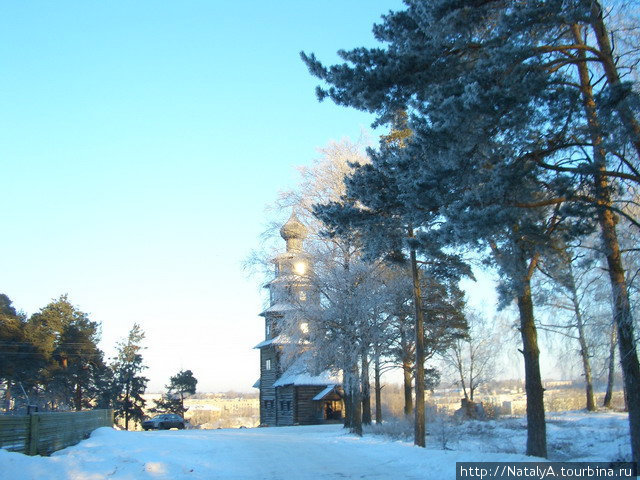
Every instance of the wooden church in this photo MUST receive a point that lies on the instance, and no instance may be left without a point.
(290, 394)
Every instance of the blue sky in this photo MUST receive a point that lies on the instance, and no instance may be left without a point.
(139, 144)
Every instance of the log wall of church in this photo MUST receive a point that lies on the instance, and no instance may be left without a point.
(309, 412)
(268, 411)
(285, 403)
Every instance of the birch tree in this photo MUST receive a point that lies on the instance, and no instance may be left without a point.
(473, 357)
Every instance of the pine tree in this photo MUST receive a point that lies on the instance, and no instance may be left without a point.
(128, 383)
(17, 355)
(180, 385)
(502, 111)
(69, 339)
(385, 227)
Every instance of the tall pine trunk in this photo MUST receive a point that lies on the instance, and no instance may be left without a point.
(611, 368)
(407, 372)
(366, 389)
(625, 396)
(419, 426)
(607, 221)
(355, 399)
(608, 62)
(377, 388)
(407, 376)
(536, 426)
(348, 400)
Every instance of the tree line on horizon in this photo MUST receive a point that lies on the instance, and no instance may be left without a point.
(51, 361)
(515, 138)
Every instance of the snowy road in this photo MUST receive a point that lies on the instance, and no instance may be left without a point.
(291, 453)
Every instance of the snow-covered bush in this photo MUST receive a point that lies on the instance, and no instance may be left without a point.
(397, 428)
(444, 429)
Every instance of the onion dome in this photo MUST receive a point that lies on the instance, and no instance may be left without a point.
(294, 232)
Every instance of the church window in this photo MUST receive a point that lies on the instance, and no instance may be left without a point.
(268, 329)
(300, 268)
(267, 364)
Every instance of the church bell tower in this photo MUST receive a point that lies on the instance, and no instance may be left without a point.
(289, 288)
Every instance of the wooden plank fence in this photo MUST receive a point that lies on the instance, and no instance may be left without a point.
(45, 433)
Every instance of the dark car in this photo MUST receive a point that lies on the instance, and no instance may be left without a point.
(164, 422)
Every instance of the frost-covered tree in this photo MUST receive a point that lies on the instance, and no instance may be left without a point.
(387, 233)
(512, 134)
(338, 275)
(473, 357)
(401, 349)
(567, 288)
(336, 330)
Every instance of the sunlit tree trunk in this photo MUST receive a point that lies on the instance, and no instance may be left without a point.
(607, 221)
(608, 396)
(407, 373)
(536, 426)
(419, 427)
(613, 77)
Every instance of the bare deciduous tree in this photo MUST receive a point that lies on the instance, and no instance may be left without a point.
(473, 358)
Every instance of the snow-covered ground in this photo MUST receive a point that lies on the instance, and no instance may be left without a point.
(317, 452)
(571, 436)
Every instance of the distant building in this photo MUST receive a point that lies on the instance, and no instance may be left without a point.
(291, 394)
